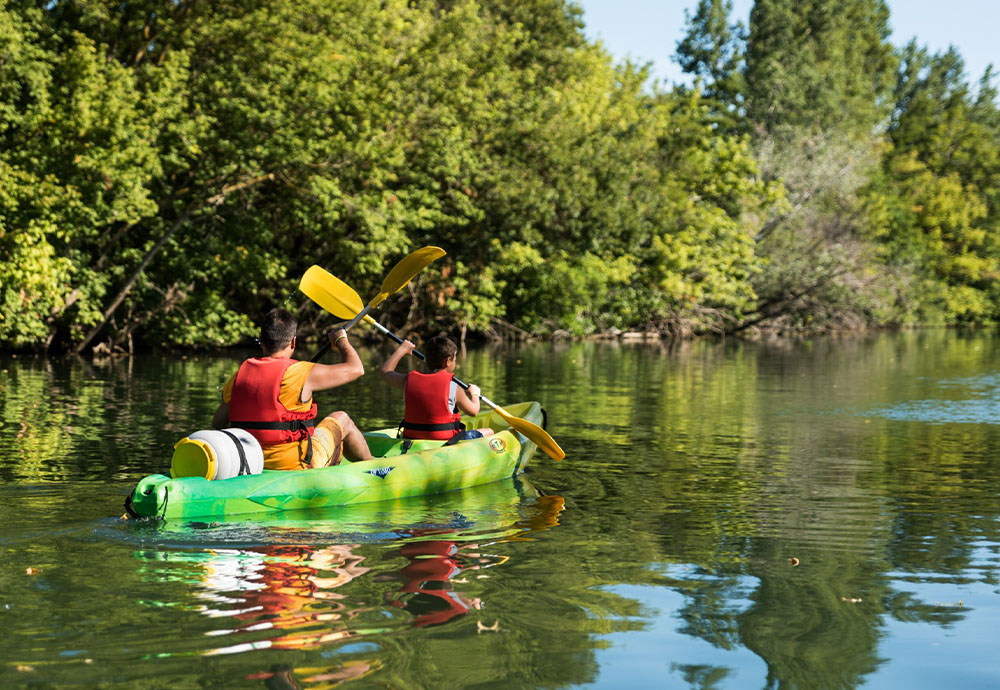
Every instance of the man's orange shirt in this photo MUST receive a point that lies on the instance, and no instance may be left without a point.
(284, 456)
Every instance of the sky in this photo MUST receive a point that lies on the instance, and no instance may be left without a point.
(648, 30)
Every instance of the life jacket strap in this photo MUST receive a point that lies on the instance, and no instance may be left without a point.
(445, 426)
(302, 425)
(294, 425)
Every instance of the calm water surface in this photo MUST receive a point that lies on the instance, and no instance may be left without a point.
(810, 514)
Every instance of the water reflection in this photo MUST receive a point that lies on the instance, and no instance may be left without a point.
(429, 579)
(695, 476)
(407, 565)
(290, 590)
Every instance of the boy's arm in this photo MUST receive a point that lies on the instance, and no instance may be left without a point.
(388, 371)
(468, 401)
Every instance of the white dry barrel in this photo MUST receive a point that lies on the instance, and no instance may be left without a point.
(213, 454)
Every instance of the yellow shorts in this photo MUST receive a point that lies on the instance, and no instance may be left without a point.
(327, 443)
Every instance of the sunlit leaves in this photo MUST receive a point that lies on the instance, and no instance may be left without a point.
(171, 169)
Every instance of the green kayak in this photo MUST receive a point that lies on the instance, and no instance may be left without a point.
(427, 467)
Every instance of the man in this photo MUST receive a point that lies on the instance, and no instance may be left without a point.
(271, 397)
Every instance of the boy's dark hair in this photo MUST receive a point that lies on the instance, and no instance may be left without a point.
(438, 350)
(277, 330)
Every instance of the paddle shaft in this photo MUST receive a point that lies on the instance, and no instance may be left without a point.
(361, 314)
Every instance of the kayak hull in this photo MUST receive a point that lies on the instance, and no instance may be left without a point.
(427, 467)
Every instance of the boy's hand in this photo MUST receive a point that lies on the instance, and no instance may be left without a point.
(406, 347)
(473, 391)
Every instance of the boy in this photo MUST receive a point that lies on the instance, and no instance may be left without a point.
(431, 402)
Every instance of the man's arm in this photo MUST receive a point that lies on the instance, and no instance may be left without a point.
(220, 420)
(388, 371)
(324, 376)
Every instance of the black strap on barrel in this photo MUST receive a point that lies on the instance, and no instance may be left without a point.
(244, 465)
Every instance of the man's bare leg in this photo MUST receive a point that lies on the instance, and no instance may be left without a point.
(355, 447)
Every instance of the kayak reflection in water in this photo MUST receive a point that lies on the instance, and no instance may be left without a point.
(293, 591)
(286, 593)
(436, 565)
(283, 677)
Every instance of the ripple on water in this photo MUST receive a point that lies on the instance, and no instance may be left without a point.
(986, 411)
(978, 403)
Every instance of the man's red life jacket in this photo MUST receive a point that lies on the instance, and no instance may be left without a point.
(254, 404)
(428, 411)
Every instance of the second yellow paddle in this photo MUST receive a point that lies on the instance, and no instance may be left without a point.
(316, 280)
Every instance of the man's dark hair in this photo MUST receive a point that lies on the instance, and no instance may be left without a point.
(438, 350)
(277, 330)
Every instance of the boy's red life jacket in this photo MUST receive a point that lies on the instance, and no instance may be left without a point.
(254, 404)
(426, 410)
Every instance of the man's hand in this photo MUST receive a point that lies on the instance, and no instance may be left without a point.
(336, 334)
(325, 376)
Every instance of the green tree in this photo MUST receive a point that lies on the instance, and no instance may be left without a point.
(942, 188)
(820, 65)
(818, 86)
(77, 148)
(713, 50)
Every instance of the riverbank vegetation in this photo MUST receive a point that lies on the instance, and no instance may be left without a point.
(168, 170)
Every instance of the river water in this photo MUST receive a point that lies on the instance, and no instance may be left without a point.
(799, 514)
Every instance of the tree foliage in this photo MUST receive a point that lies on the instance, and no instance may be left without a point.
(713, 50)
(887, 157)
(170, 169)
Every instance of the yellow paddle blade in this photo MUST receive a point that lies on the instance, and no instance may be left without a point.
(539, 436)
(331, 293)
(404, 271)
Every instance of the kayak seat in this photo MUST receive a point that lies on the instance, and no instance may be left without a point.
(385, 446)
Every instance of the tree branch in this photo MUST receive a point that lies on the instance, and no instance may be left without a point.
(213, 201)
(123, 293)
